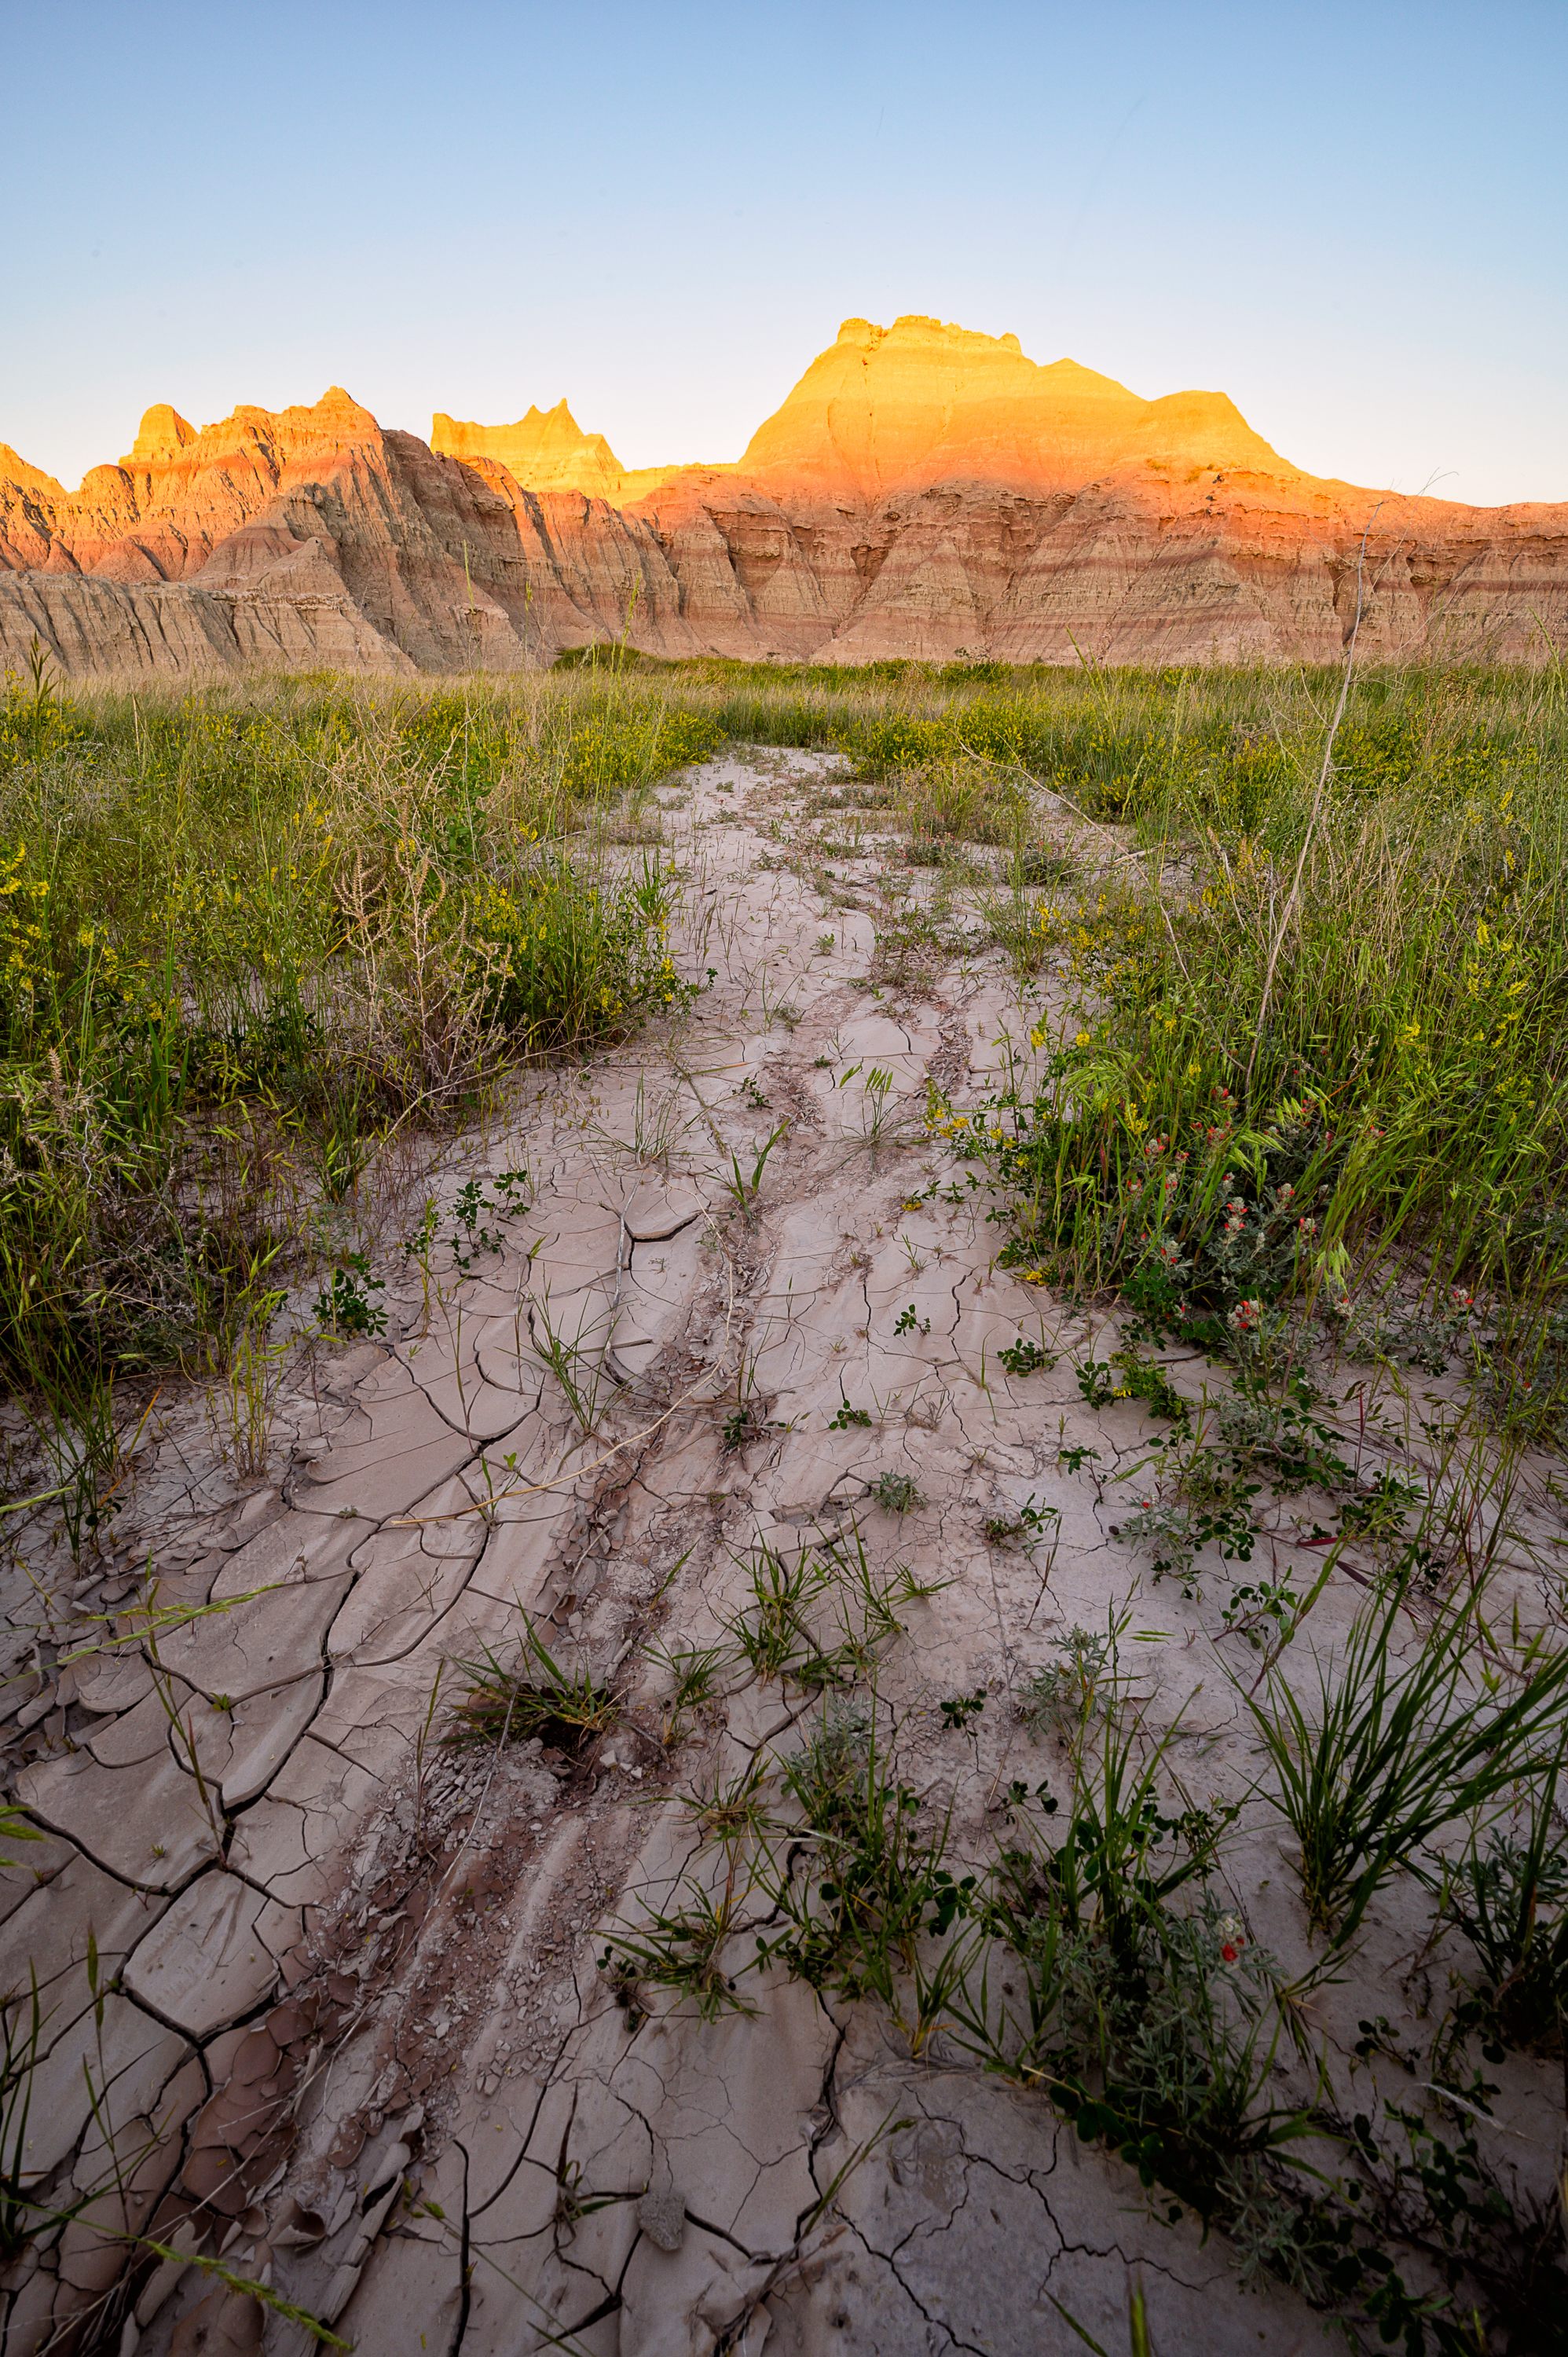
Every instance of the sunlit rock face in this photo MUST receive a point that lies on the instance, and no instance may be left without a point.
(924, 492)
(891, 410)
(312, 535)
(547, 450)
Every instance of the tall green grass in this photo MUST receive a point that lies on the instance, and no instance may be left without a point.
(245, 934)
(262, 924)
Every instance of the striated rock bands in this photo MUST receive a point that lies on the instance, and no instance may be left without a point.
(313, 535)
(547, 450)
(923, 491)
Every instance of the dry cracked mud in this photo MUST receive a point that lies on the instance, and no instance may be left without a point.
(354, 2039)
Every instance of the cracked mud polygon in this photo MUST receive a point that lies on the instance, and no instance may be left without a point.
(359, 2040)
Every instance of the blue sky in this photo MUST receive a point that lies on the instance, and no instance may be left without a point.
(1351, 219)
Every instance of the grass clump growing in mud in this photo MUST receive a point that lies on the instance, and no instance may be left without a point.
(567, 1709)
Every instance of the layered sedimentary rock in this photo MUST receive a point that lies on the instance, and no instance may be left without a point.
(893, 410)
(313, 535)
(923, 491)
(548, 450)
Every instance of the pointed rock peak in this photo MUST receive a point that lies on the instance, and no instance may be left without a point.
(341, 409)
(162, 434)
(544, 450)
(14, 468)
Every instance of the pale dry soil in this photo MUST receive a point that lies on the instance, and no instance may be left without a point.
(355, 2032)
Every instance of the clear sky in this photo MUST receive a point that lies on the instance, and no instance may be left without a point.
(1352, 218)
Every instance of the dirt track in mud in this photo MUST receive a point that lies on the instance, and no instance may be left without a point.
(357, 2040)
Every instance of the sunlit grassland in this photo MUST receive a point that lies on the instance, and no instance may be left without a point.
(1292, 1097)
(255, 937)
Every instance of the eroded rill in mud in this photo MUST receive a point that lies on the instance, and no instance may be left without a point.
(356, 2039)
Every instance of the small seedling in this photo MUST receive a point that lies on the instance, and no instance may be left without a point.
(906, 1323)
(848, 1416)
(741, 1429)
(1024, 1356)
(747, 1422)
(958, 1709)
(1273, 1602)
(743, 1192)
(1026, 1528)
(896, 1493)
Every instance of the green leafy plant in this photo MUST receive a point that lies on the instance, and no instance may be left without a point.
(345, 1307)
(1025, 1357)
(1027, 1528)
(1067, 1693)
(863, 1893)
(896, 1493)
(1128, 1376)
(1264, 1612)
(958, 1709)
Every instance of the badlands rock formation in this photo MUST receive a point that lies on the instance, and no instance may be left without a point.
(923, 491)
(314, 536)
(547, 449)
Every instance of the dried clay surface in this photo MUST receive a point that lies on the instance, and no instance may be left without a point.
(329, 1985)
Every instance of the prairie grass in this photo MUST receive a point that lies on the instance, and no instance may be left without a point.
(249, 934)
(249, 939)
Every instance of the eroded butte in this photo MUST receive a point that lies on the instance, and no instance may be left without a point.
(924, 492)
